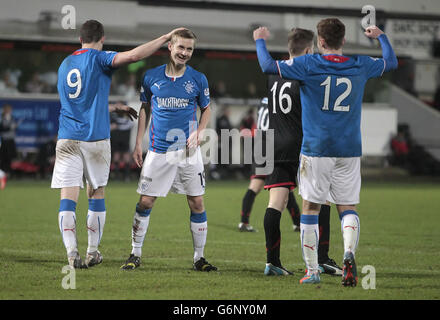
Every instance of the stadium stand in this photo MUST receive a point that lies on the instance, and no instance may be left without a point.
(39, 43)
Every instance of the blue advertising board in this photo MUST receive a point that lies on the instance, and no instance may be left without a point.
(37, 118)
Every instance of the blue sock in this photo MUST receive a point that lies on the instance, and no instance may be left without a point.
(198, 217)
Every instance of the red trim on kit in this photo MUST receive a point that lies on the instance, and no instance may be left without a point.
(79, 51)
(152, 131)
(279, 70)
(283, 184)
(277, 244)
(336, 58)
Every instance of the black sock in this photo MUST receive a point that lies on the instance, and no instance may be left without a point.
(324, 233)
(293, 208)
(273, 236)
(246, 207)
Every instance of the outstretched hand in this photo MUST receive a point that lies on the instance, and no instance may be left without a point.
(169, 34)
(122, 109)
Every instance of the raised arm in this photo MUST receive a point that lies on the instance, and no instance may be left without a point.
(267, 64)
(388, 54)
(143, 51)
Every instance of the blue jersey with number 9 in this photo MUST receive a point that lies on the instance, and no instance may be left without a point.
(84, 80)
(332, 87)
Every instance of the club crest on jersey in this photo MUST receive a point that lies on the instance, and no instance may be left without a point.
(189, 87)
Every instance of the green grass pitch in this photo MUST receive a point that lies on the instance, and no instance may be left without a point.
(399, 238)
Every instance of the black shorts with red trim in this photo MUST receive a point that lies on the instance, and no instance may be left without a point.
(283, 175)
(258, 176)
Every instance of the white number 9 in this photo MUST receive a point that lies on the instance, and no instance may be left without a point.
(76, 84)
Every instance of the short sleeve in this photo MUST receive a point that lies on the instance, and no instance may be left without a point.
(374, 67)
(105, 59)
(146, 94)
(203, 99)
(293, 69)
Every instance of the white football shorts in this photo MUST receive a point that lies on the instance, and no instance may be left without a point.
(337, 180)
(177, 171)
(75, 159)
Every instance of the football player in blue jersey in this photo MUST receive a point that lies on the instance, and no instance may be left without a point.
(83, 146)
(172, 93)
(331, 95)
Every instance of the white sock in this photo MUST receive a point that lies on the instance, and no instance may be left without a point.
(309, 241)
(67, 225)
(199, 230)
(350, 227)
(95, 223)
(95, 228)
(139, 230)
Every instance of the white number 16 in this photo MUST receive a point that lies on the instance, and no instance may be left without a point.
(76, 84)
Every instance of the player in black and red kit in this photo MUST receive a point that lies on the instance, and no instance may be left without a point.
(257, 181)
(284, 110)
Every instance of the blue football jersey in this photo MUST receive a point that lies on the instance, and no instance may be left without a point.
(332, 87)
(174, 102)
(84, 80)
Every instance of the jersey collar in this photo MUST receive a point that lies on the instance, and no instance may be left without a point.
(79, 51)
(335, 58)
(174, 78)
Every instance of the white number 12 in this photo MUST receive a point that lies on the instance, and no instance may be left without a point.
(342, 96)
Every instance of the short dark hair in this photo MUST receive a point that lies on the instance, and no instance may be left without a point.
(91, 31)
(299, 39)
(332, 30)
(184, 33)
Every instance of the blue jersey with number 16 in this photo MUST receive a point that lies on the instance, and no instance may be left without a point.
(84, 80)
(331, 97)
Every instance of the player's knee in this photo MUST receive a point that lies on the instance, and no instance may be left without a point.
(277, 204)
(256, 185)
(311, 207)
(146, 202)
(95, 193)
(196, 204)
(343, 208)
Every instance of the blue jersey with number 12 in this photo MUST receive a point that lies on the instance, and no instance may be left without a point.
(331, 97)
(84, 80)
